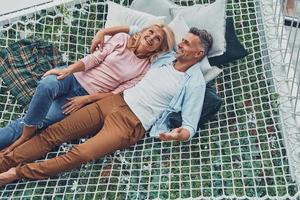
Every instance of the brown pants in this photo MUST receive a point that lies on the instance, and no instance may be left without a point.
(115, 124)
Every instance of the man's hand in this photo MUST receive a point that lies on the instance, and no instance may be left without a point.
(177, 134)
(98, 41)
(75, 104)
(61, 73)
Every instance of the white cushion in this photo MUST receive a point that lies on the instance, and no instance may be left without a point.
(209, 72)
(212, 73)
(204, 65)
(179, 27)
(119, 15)
(210, 17)
(155, 7)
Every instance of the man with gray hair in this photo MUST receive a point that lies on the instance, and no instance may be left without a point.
(173, 84)
(185, 60)
(149, 100)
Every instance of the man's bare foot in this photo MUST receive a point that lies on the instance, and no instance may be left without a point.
(8, 176)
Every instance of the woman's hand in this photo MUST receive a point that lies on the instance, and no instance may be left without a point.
(75, 104)
(61, 73)
(98, 41)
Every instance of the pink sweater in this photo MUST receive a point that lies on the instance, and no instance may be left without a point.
(112, 69)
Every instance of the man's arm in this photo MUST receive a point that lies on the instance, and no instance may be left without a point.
(192, 108)
(191, 111)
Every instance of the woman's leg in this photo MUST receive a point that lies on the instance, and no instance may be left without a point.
(121, 129)
(10, 133)
(46, 92)
(55, 112)
(13, 130)
(81, 123)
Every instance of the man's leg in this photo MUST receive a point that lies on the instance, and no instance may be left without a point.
(81, 123)
(121, 129)
(55, 112)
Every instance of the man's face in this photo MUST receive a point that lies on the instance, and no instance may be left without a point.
(189, 48)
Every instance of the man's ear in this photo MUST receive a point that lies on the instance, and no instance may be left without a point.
(199, 54)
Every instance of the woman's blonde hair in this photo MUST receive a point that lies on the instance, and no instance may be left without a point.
(167, 44)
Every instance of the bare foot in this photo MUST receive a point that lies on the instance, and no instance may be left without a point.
(8, 176)
(18, 142)
(2, 150)
(27, 133)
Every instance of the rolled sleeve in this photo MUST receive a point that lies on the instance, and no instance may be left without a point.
(192, 108)
(191, 130)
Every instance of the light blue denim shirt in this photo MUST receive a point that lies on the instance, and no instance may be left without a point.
(188, 99)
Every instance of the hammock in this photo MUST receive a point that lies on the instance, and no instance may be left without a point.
(248, 151)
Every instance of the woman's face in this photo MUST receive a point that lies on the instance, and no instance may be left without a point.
(151, 39)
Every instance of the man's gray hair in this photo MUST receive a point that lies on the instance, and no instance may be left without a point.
(205, 38)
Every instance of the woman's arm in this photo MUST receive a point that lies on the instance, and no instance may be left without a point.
(62, 73)
(130, 83)
(78, 102)
(98, 40)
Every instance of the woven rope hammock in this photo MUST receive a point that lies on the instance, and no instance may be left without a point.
(248, 151)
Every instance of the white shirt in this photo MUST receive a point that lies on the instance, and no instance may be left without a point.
(149, 98)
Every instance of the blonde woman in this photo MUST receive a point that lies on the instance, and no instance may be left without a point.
(119, 65)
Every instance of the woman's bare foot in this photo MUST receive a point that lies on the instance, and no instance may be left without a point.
(8, 176)
(2, 152)
(27, 133)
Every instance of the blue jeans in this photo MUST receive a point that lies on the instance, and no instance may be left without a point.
(45, 107)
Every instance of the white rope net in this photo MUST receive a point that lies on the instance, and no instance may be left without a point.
(240, 154)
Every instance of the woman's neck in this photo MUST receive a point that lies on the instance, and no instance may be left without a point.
(140, 54)
(131, 45)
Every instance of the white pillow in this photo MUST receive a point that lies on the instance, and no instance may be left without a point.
(212, 73)
(210, 17)
(155, 7)
(209, 72)
(204, 65)
(119, 15)
(179, 27)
